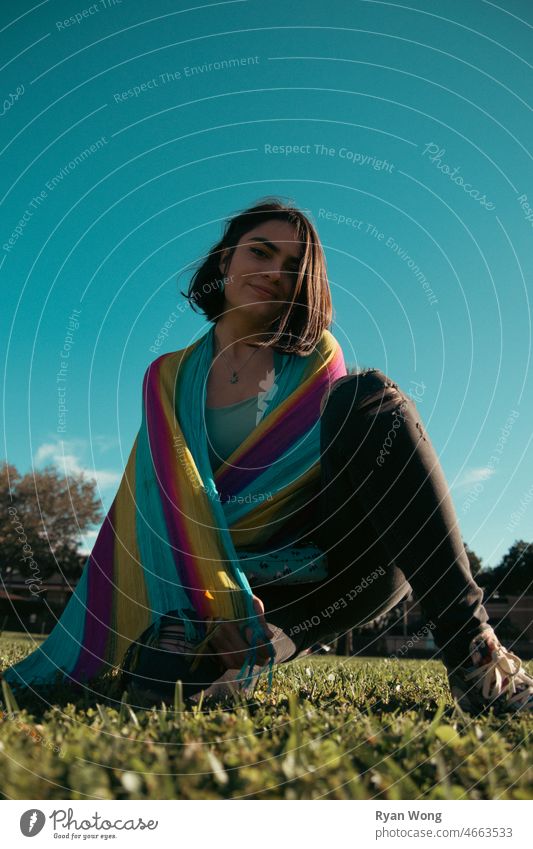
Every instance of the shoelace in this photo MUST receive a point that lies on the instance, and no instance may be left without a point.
(502, 675)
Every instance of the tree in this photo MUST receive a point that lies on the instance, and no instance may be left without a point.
(474, 560)
(514, 574)
(43, 517)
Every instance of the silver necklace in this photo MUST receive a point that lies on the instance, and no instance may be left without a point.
(234, 373)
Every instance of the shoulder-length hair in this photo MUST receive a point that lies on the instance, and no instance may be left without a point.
(300, 326)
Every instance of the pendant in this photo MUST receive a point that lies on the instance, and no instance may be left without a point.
(234, 377)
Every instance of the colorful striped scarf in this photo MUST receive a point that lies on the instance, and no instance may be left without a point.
(170, 539)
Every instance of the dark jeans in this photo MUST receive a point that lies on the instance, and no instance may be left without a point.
(388, 525)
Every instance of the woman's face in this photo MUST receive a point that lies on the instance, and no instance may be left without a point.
(263, 270)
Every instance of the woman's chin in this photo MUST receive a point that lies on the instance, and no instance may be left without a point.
(264, 309)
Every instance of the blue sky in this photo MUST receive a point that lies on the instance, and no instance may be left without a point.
(131, 131)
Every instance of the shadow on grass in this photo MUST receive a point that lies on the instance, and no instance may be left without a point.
(108, 690)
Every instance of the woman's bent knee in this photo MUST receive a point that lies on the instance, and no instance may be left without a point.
(350, 390)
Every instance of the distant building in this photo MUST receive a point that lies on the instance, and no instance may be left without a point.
(403, 633)
(410, 635)
(36, 612)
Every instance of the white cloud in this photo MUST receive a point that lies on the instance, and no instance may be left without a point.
(102, 443)
(90, 538)
(68, 457)
(473, 476)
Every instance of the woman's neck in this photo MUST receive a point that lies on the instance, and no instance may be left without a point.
(237, 338)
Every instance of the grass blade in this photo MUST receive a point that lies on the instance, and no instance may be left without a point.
(9, 698)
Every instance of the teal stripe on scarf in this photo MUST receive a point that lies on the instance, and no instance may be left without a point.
(62, 645)
(190, 405)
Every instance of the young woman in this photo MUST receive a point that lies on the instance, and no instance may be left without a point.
(381, 521)
(271, 500)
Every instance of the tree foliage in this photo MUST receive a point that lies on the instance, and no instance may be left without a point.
(514, 574)
(474, 560)
(43, 517)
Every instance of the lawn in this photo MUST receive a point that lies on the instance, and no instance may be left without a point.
(331, 728)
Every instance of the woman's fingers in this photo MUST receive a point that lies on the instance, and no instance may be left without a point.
(263, 653)
(259, 608)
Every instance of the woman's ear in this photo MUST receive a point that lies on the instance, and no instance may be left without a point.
(222, 262)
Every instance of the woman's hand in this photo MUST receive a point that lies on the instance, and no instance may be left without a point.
(231, 648)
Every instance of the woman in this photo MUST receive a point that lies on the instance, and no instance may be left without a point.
(383, 508)
(271, 500)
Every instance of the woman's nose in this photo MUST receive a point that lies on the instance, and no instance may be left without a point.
(273, 274)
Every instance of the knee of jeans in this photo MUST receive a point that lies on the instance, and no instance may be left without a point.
(352, 389)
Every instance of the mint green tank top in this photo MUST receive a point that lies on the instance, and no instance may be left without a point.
(226, 428)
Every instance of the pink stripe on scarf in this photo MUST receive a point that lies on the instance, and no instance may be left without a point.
(164, 458)
(100, 592)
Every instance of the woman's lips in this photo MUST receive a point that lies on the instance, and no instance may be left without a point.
(262, 290)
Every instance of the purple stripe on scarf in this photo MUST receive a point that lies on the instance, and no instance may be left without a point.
(277, 439)
(100, 595)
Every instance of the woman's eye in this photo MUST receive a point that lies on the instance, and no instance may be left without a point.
(258, 251)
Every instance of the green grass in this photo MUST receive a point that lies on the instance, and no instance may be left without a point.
(331, 728)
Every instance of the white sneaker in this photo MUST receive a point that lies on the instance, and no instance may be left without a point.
(495, 678)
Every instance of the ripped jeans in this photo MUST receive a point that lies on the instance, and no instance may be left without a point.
(388, 526)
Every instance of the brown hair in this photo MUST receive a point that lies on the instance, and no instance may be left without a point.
(300, 326)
